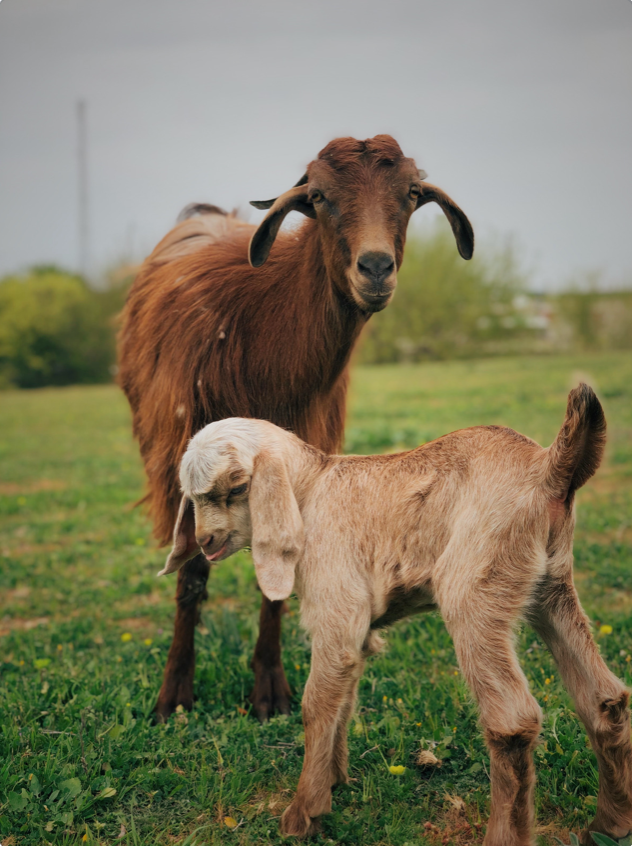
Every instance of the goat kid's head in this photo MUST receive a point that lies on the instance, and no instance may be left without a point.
(236, 493)
(362, 194)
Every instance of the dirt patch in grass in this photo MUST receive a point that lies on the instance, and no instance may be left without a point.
(136, 624)
(11, 624)
(35, 486)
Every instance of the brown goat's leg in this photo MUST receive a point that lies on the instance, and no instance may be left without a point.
(327, 706)
(271, 691)
(510, 717)
(177, 685)
(601, 700)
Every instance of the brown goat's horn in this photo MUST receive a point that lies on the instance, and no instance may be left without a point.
(461, 227)
(261, 242)
(267, 204)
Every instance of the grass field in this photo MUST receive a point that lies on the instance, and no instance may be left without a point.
(85, 627)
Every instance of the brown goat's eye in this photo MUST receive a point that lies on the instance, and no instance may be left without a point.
(414, 192)
(238, 491)
(316, 197)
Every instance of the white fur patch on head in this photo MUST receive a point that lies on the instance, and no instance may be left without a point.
(215, 448)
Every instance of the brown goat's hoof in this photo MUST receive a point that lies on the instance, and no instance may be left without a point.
(271, 694)
(170, 697)
(296, 822)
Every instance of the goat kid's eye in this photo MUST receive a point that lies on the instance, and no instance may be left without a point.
(238, 491)
(316, 197)
(414, 192)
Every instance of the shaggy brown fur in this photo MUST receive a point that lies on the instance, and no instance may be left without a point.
(206, 336)
(463, 524)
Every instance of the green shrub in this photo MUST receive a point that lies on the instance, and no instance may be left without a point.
(597, 320)
(445, 307)
(54, 330)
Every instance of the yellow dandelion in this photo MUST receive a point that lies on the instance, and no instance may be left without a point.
(297, 666)
(456, 672)
(547, 681)
(454, 729)
(398, 770)
(126, 637)
(230, 822)
(629, 658)
(384, 698)
(59, 647)
(400, 701)
(417, 724)
(148, 641)
(605, 629)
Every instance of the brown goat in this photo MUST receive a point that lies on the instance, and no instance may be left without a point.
(205, 336)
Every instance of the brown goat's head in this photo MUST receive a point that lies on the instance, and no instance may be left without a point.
(362, 194)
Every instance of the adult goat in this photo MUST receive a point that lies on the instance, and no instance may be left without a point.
(231, 320)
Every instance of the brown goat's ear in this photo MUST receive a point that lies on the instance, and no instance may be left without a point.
(185, 545)
(293, 200)
(277, 527)
(461, 226)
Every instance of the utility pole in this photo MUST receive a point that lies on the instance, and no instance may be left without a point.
(82, 184)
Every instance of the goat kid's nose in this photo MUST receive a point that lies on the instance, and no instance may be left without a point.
(205, 541)
(376, 266)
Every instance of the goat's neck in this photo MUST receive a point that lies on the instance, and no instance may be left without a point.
(335, 322)
(303, 463)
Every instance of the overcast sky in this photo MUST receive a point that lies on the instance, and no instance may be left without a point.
(522, 111)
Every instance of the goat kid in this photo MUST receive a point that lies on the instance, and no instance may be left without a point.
(478, 524)
(226, 319)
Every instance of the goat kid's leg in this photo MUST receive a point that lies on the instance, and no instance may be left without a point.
(601, 700)
(177, 685)
(271, 691)
(340, 758)
(327, 706)
(510, 716)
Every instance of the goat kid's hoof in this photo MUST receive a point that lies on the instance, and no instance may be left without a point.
(296, 822)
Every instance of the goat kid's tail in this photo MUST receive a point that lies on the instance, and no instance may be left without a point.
(576, 453)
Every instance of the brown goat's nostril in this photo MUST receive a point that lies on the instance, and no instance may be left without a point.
(376, 266)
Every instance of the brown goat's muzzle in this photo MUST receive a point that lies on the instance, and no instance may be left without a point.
(373, 280)
(372, 303)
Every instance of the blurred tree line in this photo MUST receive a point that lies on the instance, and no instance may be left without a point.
(57, 330)
(445, 307)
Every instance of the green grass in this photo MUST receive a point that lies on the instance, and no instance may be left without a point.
(85, 627)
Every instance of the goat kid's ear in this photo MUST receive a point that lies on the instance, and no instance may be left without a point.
(461, 227)
(277, 527)
(293, 200)
(185, 545)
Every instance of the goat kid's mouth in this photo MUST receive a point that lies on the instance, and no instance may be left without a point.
(223, 552)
